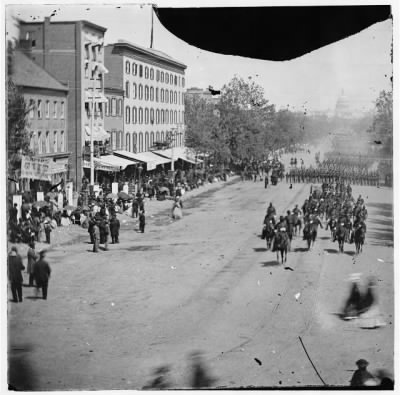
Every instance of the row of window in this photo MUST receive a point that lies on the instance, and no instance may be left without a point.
(98, 109)
(141, 142)
(56, 112)
(153, 116)
(93, 52)
(162, 95)
(148, 73)
(48, 142)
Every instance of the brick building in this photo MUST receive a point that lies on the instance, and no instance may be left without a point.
(47, 100)
(73, 52)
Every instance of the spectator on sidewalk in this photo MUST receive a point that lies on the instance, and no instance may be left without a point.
(142, 221)
(114, 229)
(47, 230)
(42, 273)
(15, 267)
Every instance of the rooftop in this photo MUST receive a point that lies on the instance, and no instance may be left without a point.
(84, 21)
(28, 73)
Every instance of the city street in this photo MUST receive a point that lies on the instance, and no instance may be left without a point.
(206, 283)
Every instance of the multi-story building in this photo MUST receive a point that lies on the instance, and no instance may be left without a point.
(153, 85)
(47, 101)
(73, 52)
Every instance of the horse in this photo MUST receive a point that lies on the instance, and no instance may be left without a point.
(281, 243)
(359, 237)
(310, 232)
(340, 236)
(268, 232)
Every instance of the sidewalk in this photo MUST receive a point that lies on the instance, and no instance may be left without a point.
(68, 235)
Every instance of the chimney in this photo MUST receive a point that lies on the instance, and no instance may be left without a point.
(46, 40)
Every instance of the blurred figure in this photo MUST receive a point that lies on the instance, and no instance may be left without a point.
(370, 315)
(114, 229)
(142, 221)
(177, 209)
(160, 380)
(15, 267)
(385, 379)
(200, 378)
(362, 377)
(353, 302)
(32, 258)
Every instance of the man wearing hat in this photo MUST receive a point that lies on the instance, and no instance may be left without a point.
(42, 273)
(361, 376)
(15, 267)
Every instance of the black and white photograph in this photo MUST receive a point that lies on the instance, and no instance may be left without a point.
(199, 195)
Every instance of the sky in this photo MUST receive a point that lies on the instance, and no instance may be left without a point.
(359, 65)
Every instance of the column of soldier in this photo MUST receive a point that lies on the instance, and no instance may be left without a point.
(335, 170)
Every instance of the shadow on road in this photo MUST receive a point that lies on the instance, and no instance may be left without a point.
(325, 238)
(300, 249)
(21, 376)
(270, 263)
(331, 251)
(260, 249)
(350, 253)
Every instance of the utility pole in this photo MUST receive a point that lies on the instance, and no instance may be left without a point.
(91, 134)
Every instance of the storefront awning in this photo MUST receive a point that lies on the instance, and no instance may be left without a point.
(151, 160)
(182, 153)
(98, 97)
(115, 161)
(99, 134)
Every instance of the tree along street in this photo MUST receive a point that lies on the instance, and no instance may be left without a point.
(206, 283)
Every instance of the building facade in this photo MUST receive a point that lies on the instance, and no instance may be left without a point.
(74, 53)
(153, 85)
(47, 101)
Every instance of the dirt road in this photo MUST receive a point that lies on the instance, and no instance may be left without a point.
(205, 283)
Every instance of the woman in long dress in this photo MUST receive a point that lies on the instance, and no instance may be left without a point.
(177, 209)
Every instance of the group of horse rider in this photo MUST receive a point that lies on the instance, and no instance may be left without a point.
(344, 216)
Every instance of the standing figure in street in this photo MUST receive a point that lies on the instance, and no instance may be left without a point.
(266, 181)
(91, 228)
(96, 236)
(42, 273)
(142, 221)
(135, 208)
(15, 267)
(177, 209)
(114, 229)
(104, 232)
(47, 230)
(32, 258)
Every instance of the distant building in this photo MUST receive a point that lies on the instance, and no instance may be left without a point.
(114, 116)
(73, 52)
(343, 108)
(47, 100)
(153, 84)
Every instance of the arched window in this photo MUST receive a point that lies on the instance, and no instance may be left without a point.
(39, 142)
(134, 115)
(171, 96)
(120, 107)
(157, 95)
(127, 67)
(151, 139)
(183, 82)
(171, 116)
(140, 91)
(171, 79)
(140, 115)
(166, 116)
(162, 95)
(157, 136)
(127, 89)
(134, 142)
(146, 116)
(162, 77)
(152, 94)
(162, 116)
(146, 93)
(134, 69)
(175, 117)
(47, 109)
(166, 95)
(146, 141)
(175, 81)
(117, 109)
(175, 97)
(166, 78)
(162, 136)
(134, 91)
(120, 140)
(140, 71)
(62, 141)
(128, 142)
(152, 116)
(158, 75)
(157, 116)
(152, 74)
(47, 143)
(108, 106)
(140, 142)
(146, 72)
(127, 114)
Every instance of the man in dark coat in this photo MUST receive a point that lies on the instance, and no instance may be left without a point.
(114, 229)
(42, 273)
(15, 267)
(361, 376)
(142, 221)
